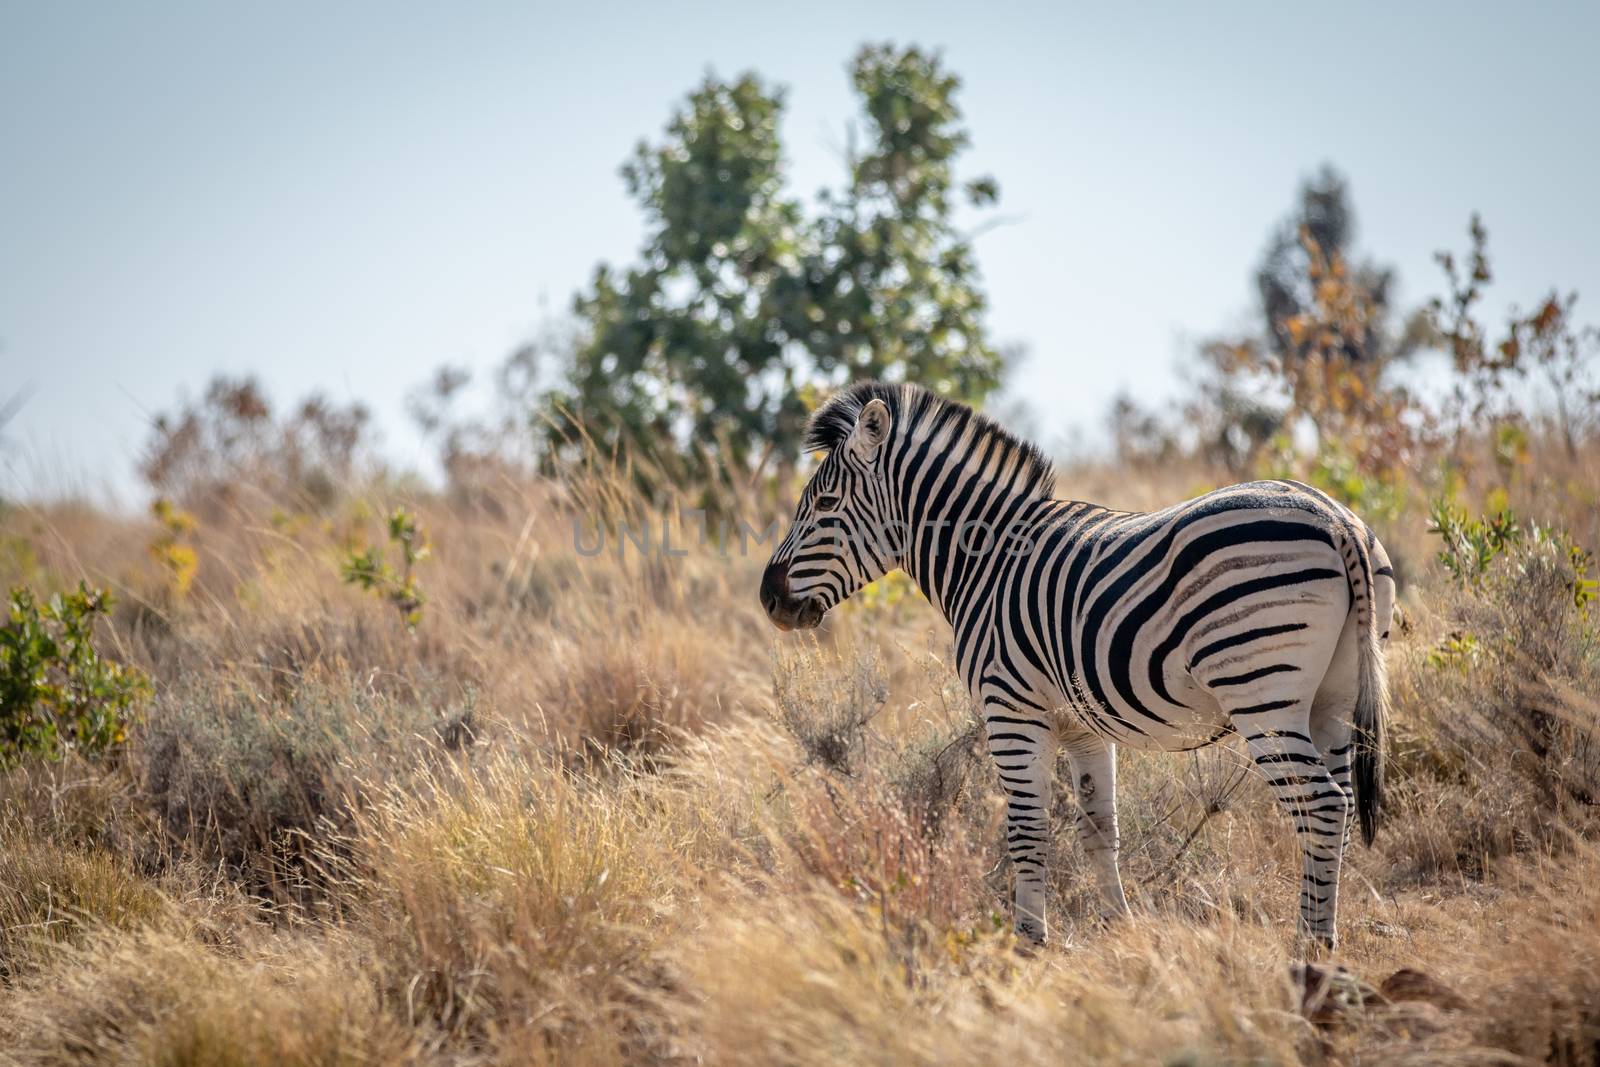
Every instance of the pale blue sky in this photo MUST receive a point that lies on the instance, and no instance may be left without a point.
(345, 195)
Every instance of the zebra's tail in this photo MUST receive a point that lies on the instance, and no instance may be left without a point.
(1372, 690)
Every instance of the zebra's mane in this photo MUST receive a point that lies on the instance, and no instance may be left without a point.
(915, 410)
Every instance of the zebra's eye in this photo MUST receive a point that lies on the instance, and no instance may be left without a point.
(826, 502)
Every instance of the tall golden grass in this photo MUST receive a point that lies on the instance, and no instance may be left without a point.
(595, 810)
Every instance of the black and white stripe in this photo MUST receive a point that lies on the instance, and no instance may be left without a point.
(1259, 608)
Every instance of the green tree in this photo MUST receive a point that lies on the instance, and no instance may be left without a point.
(744, 302)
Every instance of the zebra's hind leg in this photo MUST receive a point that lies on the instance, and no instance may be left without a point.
(1335, 736)
(1022, 745)
(1277, 733)
(1094, 776)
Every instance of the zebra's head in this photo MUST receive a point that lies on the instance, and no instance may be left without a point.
(841, 537)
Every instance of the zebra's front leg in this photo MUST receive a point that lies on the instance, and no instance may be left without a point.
(1094, 776)
(1022, 745)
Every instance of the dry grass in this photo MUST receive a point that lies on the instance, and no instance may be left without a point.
(595, 810)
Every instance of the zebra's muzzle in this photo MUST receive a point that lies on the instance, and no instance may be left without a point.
(804, 615)
(786, 611)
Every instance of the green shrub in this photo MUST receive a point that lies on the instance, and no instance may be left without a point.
(1471, 547)
(171, 548)
(369, 570)
(1507, 726)
(56, 691)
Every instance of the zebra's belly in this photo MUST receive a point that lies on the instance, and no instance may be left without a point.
(1200, 722)
(1194, 720)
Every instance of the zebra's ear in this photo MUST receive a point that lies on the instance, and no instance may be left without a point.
(872, 428)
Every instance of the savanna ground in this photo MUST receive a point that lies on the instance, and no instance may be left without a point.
(592, 808)
(359, 770)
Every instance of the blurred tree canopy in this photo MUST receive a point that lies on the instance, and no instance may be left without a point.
(1547, 342)
(1328, 333)
(745, 302)
(205, 452)
(1303, 252)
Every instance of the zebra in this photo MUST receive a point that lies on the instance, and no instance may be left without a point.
(1260, 609)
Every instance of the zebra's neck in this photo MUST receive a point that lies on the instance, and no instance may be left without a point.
(965, 504)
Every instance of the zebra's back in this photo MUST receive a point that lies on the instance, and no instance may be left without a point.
(1146, 625)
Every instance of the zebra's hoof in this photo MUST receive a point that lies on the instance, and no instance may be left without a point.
(1030, 935)
(1316, 946)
